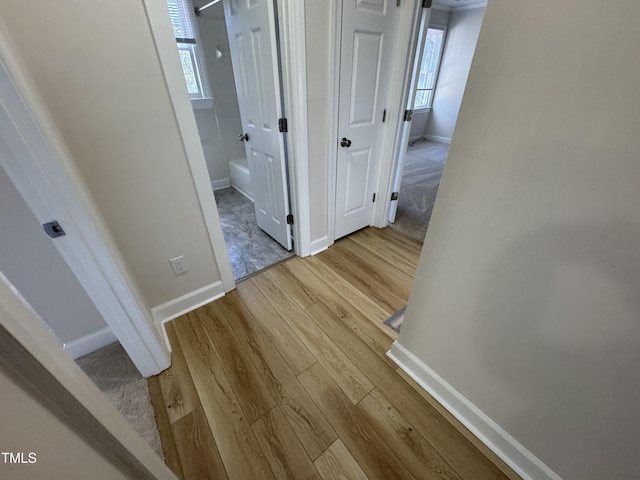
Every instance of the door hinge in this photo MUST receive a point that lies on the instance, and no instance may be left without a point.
(384, 115)
(408, 115)
(374, 198)
(282, 125)
(394, 195)
(426, 3)
(290, 219)
(53, 229)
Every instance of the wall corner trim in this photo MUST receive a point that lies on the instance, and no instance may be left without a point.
(521, 460)
(186, 303)
(90, 343)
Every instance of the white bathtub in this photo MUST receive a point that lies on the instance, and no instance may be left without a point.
(241, 177)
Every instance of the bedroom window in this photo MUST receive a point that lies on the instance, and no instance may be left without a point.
(182, 19)
(429, 66)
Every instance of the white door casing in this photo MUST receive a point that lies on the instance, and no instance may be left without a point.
(251, 26)
(367, 36)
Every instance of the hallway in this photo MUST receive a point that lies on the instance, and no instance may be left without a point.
(287, 377)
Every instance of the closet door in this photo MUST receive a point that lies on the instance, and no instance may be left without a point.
(367, 35)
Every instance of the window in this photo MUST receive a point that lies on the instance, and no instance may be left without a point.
(182, 19)
(429, 65)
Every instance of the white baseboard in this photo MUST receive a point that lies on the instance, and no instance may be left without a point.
(319, 245)
(435, 138)
(220, 184)
(521, 460)
(90, 343)
(185, 304)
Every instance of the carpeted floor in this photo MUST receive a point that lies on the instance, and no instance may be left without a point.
(420, 181)
(394, 322)
(117, 377)
(250, 249)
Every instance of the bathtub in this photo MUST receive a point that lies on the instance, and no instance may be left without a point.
(241, 177)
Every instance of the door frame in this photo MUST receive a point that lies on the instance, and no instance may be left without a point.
(36, 364)
(51, 188)
(407, 24)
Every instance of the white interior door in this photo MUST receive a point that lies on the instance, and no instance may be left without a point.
(415, 71)
(367, 34)
(252, 41)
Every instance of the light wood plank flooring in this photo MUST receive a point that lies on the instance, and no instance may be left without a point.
(287, 377)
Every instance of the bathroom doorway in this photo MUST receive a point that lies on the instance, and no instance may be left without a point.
(236, 99)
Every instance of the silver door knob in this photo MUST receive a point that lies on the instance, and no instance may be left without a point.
(243, 137)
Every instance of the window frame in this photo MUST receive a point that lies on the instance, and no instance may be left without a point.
(196, 55)
(429, 104)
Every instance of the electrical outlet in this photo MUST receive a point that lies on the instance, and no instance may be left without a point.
(178, 265)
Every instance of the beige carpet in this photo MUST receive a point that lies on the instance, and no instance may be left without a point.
(420, 181)
(394, 322)
(117, 377)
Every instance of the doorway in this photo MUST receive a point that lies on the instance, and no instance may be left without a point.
(446, 44)
(231, 66)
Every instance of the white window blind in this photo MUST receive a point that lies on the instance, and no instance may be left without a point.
(179, 11)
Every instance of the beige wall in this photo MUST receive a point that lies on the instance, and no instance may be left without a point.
(97, 74)
(59, 452)
(526, 296)
(47, 402)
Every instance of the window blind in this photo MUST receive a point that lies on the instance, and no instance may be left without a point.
(180, 14)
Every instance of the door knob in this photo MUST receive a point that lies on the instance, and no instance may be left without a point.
(243, 137)
(345, 142)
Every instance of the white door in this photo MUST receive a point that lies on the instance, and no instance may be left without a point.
(406, 131)
(367, 34)
(252, 41)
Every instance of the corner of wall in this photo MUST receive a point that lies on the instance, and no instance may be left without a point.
(186, 303)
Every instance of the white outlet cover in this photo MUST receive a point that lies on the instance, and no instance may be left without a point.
(179, 265)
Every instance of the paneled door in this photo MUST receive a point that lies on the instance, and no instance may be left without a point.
(251, 26)
(367, 35)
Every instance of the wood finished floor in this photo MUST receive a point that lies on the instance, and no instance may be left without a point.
(286, 377)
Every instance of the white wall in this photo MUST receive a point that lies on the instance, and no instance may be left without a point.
(526, 295)
(220, 142)
(211, 144)
(319, 91)
(32, 263)
(99, 79)
(462, 35)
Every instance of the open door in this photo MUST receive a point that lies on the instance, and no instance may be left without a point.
(415, 71)
(367, 37)
(252, 40)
